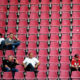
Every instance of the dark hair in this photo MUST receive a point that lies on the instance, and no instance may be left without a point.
(76, 55)
(0, 34)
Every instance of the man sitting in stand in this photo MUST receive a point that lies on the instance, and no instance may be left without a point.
(75, 64)
(31, 63)
(12, 43)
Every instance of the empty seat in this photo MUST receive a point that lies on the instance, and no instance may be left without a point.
(53, 59)
(65, 44)
(76, 22)
(1, 61)
(74, 51)
(54, 44)
(55, 15)
(65, 37)
(76, 1)
(55, 2)
(41, 75)
(65, 30)
(64, 75)
(2, 16)
(7, 75)
(55, 23)
(2, 23)
(22, 30)
(34, 15)
(52, 75)
(19, 75)
(33, 30)
(44, 23)
(55, 8)
(43, 52)
(1, 53)
(44, 30)
(65, 59)
(32, 38)
(34, 8)
(30, 75)
(3, 8)
(3, 2)
(34, 2)
(53, 52)
(42, 67)
(54, 30)
(65, 15)
(20, 68)
(44, 15)
(13, 2)
(64, 67)
(12, 16)
(13, 9)
(22, 23)
(33, 23)
(66, 2)
(43, 45)
(44, 8)
(9, 52)
(75, 44)
(75, 14)
(76, 37)
(20, 53)
(44, 2)
(20, 59)
(66, 8)
(54, 37)
(76, 7)
(2, 30)
(32, 45)
(23, 8)
(22, 37)
(23, 15)
(65, 23)
(65, 52)
(43, 59)
(53, 67)
(24, 2)
(22, 46)
(75, 75)
(43, 37)
(76, 30)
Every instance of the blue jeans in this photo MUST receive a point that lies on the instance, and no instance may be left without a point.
(8, 70)
(2, 44)
(13, 46)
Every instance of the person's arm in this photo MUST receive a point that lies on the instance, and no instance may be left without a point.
(7, 67)
(24, 63)
(16, 61)
(36, 66)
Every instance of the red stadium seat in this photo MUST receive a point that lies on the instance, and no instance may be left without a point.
(13, 9)
(66, 2)
(54, 30)
(76, 1)
(2, 16)
(3, 9)
(75, 14)
(20, 53)
(23, 8)
(2, 30)
(23, 15)
(76, 22)
(12, 16)
(20, 68)
(34, 2)
(20, 59)
(55, 2)
(66, 8)
(24, 2)
(54, 37)
(43, 37)
(44, 2)
(33, 15)
(65, 30)
(65, 23)
(65, 15)
(44, 8)
(2, 23)
(55, 8)
(32, 38)
(1, 61)
(76, 37)
(65, 37)
(7, 75)
(74, 51)
(4, 2)
(75, 44)
(13, 2)
(76, 30)
(1, 53)
(41, 75)
(52, 75)
(43, 52)
(19, 75)
(54, 44)
(76, 7)
(30, 75)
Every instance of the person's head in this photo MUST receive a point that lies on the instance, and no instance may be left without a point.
(0, 35)
(10, 57)
(30, 55)
(76, 56)
(11, 35)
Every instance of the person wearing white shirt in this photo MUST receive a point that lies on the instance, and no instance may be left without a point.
(31, 63)
(2, 41)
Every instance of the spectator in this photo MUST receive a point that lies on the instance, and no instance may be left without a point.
(12, 43)
(75, 64)
(31, 63)
(10, 64)
(2, 41)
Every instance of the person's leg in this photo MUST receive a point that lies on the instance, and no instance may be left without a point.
(14, 45)
(6, 69)
(79, 69)
(2, 45)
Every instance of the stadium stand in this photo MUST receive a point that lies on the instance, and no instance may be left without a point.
(48, 28)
